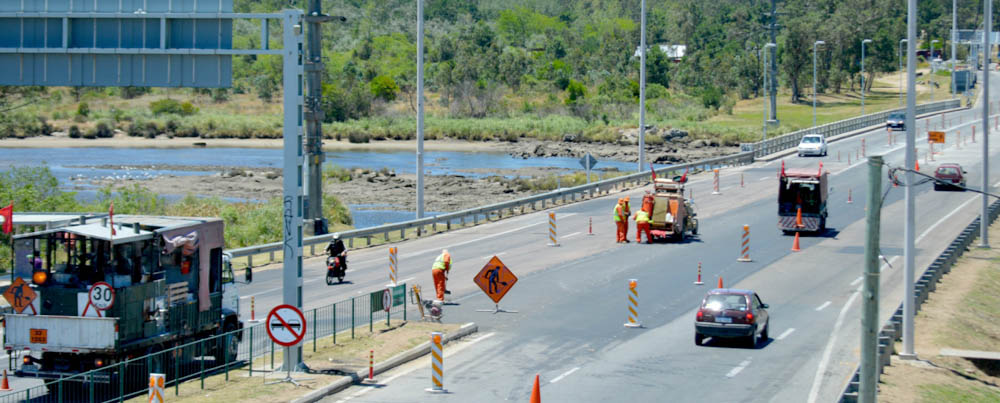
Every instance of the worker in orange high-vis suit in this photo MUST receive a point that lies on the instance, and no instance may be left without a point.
(642, 222)
(440, 273)
(621, 220)
(628, 213)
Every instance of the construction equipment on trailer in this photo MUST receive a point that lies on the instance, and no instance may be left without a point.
(103, 293)
(802, 197)
(673, 216)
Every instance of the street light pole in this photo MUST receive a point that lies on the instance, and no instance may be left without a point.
(767, 82)
(642, 88)
(420, 108)
(931, 76)
(863, 74)
(987, 32)
(901, 42)
(814, 79)
(954, 38)
(908, 190)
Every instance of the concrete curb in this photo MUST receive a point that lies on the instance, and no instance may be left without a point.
(395, 361)
(793, 150)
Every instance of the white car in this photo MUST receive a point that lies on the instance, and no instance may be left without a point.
(812, 144)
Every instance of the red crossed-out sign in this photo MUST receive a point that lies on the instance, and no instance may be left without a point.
(286, 325)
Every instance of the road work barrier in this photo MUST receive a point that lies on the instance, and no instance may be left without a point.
(715, 182)
(632, 294)
(156, 384)
(392, 265)
(892, 330)
(744, 246)
(553, 241)
(437, 365)
(257, 255)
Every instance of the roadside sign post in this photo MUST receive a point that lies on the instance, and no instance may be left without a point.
(495, 279)
(588, 162)
(286, 326)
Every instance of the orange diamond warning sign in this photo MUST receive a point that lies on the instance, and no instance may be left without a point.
(495, 279)
(19, 295)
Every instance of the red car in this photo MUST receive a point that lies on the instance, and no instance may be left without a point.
(949, 173)
(732, 313)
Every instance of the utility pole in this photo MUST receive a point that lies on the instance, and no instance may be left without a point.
(908, 191)
(984, 241)
(863, 42)
(313, 116)
(954, 38)
(642, 88)
(869, 313)
(774, 64)
(420, 109)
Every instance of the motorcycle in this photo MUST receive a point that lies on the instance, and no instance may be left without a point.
(336, 268)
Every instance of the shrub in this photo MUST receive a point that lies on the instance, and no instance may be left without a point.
(170, 106)
(74, 132)
(187, 109)
(103, 130)
(384, 88)
(358, 137)
(82, 109)
(90, 134)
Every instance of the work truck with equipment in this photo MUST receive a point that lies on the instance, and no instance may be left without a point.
(802, 197)
(673, 216)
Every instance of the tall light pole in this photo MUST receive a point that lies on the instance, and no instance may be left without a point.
(931, 76)
(908, 191)
(901, 42)
(954, 38)
(642, 87)
(987, 32)
(817, 43)
(863, 74)
(420, 108)
(764, 53)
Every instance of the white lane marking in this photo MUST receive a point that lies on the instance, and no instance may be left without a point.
(945, 218)
(828, 350)
(786, 333)
(857, 280)
(822, 307)
(739, 368)
(573, 234)
(418, 253)
(565, 374)
(490, 256)
(406, 279)
(765, 178)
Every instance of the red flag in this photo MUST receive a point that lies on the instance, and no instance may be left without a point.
(651, 169)
(8, 218)
(111, 217)
(684, 178)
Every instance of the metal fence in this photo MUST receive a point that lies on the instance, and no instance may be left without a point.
(248, 349)
(267, 253)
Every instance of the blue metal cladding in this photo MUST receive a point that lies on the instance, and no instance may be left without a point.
(114, 43)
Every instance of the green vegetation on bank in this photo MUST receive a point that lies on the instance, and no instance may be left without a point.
(35, 189)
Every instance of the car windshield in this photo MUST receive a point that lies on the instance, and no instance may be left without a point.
(947, 171)
(811, 139)
(718, 302)
(896, 116)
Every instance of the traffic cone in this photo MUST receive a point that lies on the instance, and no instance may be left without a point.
(536, 394)
(5, 386)
(798, 218)
(795, 244)
(720, 282)
(918, 164)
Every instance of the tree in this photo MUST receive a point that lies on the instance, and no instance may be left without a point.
(384, 88)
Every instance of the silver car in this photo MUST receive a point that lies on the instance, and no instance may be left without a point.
(812, 144)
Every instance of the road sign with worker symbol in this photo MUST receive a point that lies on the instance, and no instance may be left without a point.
(935, 137)
(20, 295)
(495, 279)
(286, 325)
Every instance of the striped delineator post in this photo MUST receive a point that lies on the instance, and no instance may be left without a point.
(552, 230)
(392, 265)
(862, 147)
(715, 182)
(633, 304)
(437, 365)
(253, 312)
(745, 245)
(699, 282)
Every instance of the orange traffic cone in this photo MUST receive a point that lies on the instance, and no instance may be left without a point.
(720, 282)
(917, 164)
(798, 218)
(536, 394)
(795, 244)
(5, 386)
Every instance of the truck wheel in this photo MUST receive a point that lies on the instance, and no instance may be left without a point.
(227, 347)
(822, 224)
(694, 227)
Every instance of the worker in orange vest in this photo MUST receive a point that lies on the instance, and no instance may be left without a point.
(628, 213)
(440, 273)
(642, 222)
(621, 221)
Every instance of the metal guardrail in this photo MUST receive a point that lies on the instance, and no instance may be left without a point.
(582, 192)
(786, 141)
(892, 330)
(214, 355)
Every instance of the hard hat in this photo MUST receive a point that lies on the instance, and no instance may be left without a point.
(626, 199)
(336, 235)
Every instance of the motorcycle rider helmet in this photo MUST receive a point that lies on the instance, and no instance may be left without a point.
(336, 236)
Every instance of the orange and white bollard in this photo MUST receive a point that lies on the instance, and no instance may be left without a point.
(862, 147)
(371, 368)
(857, 153)
(715, 182)
(393, 253)
(590, 225)
(741, 179)
(633, 304)
(931, 151)
(698, 281)
(437, 365)
(253, 312)
(552, 230)
(745, 245)
(849, 198)
(156, 384)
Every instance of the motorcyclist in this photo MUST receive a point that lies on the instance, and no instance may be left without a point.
(336, 248)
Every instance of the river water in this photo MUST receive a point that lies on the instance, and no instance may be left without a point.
(68, 163)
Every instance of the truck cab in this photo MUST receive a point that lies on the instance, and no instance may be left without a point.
(165, 282)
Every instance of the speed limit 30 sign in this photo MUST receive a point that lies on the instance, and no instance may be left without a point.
(101, 297)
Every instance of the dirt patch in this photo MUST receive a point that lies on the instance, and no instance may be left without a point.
(962, 313)
(329, 363)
